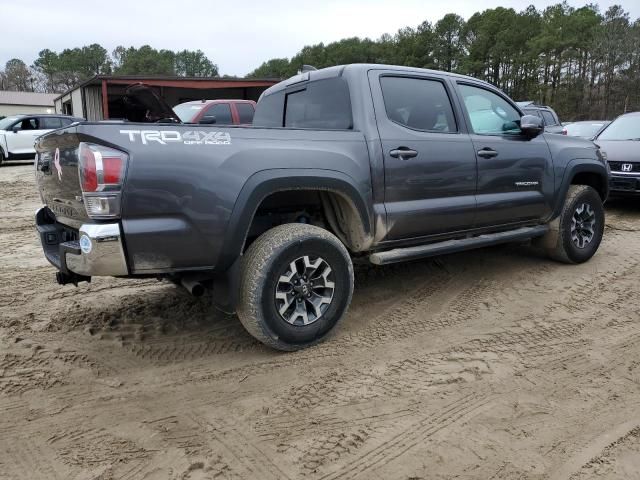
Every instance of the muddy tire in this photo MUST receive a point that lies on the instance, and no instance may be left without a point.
(296, 285)
(576, 235)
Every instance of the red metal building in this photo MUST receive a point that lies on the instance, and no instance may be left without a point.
(98, 98)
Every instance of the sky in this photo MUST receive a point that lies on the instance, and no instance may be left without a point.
(237, 35)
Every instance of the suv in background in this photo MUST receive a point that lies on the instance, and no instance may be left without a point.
(549, 117)
(218, 112)
(18, 133)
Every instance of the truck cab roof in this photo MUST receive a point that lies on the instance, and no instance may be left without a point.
(358, 68)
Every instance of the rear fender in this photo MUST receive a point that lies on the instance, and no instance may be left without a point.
(266, 182)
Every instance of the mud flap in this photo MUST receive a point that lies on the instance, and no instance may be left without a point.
(226, 288)
(549, 239)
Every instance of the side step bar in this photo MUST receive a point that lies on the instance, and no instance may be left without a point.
(452, 246)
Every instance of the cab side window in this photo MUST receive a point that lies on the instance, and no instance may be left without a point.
(50, 123)
(419, 104)
(489, 113)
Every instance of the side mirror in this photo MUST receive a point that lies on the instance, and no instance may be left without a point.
(208, 120)
(531, 126)
(15, 129)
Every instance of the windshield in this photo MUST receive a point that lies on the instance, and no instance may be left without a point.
(186, 111)
(622, 128)
(7, 122)
(584, 129)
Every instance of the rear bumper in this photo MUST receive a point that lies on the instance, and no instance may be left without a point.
(92, 250)
(624, 184)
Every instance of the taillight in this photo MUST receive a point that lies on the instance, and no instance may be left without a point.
(101, 171)
(87, 167)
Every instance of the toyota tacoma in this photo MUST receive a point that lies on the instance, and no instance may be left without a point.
(356, 163)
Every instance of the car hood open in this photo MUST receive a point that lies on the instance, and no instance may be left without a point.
(142, 104)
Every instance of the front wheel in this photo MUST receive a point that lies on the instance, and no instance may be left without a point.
(2, 157)
(296, 284)
(578, 231)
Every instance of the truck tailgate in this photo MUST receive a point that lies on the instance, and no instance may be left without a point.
(57, 176)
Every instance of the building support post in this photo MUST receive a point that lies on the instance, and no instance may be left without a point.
(105, 101)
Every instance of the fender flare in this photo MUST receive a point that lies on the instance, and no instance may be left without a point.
(266, 182)
(574, 167)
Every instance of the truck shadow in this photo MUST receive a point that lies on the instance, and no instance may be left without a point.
(163, 324)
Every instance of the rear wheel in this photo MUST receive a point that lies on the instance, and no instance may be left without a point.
(296, 285)
(579, 229)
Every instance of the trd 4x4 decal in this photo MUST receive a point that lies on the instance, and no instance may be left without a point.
(189, 137)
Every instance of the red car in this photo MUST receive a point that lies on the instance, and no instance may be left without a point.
(219, 112)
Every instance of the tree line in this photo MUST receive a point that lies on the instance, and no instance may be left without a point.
(55, 72)
(582, 62)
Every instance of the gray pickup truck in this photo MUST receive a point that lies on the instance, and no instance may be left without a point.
(366, 163)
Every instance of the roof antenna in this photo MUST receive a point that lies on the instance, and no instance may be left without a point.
(308, 68)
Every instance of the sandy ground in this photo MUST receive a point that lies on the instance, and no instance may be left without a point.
(494, 364)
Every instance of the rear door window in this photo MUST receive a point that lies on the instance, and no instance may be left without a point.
(418, 103)
(245, 112)
(323, 104)
(50, 123)
(548, 118)
(222, 112)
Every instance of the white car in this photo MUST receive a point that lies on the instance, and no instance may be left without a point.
(19, 132)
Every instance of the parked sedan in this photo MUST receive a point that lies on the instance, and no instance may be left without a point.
(19, 132)
(620, 140)
(585, 129)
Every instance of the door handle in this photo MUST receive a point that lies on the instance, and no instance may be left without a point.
(487, 153)
(403, 153)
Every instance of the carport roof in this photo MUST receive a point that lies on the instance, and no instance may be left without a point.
(27, 98)
(174, 81)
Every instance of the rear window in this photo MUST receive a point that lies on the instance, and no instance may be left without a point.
(581, 129)
(323, 104)
(187, 111)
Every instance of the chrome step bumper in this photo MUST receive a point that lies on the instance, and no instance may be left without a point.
(95, 249)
